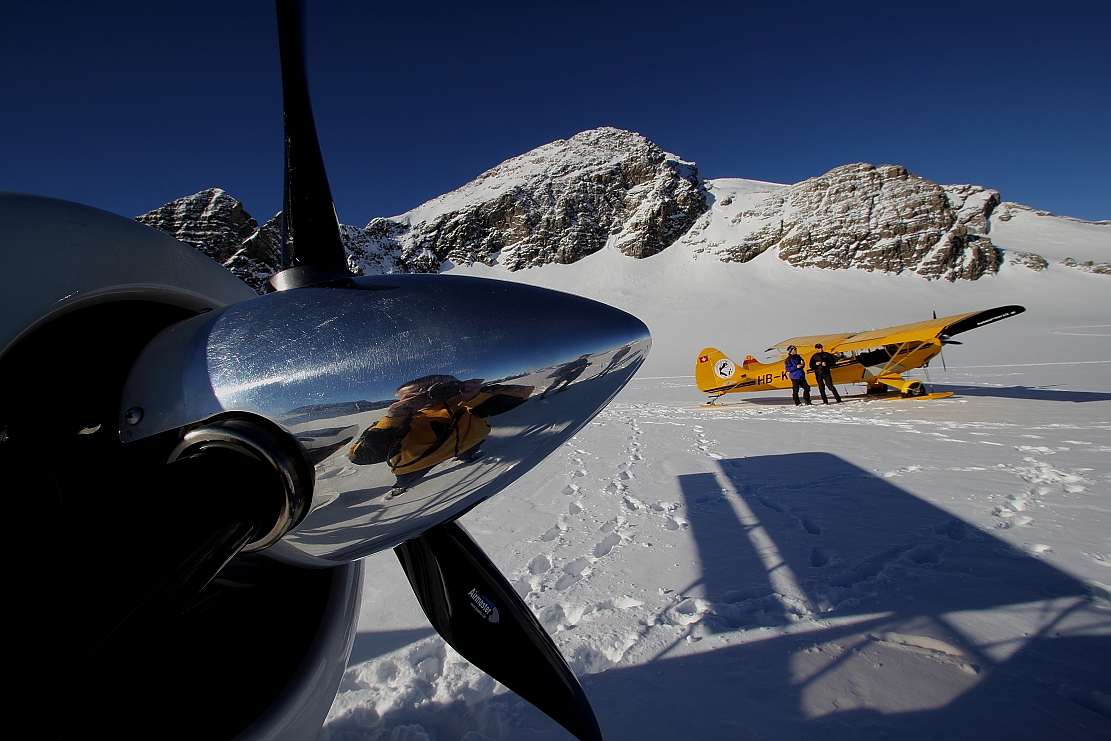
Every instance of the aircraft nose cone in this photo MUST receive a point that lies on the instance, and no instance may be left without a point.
(414, 396)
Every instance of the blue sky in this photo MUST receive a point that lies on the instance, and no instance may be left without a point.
(127, 105)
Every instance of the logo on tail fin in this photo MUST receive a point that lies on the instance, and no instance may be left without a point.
(724, 368)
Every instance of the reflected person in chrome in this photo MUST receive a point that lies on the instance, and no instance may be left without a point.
(436, 418)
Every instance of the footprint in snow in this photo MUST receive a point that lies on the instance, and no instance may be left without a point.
(606, 544)
(929, 553)
(540, 564)
(1017, 521)
(955, 529)
(818, 557)
(552, 533)
(572, 573)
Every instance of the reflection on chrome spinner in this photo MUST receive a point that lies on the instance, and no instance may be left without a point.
(414, 396)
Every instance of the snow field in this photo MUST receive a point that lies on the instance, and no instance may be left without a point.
(873, 570)
(937, 564)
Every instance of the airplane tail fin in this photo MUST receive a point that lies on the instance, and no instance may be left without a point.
(713, 369)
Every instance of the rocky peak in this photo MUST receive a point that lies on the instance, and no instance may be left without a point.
(873, 218)
(554, 204)
(211, 221)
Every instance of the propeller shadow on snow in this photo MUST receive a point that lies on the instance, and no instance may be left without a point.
(835, 605)
(832, 606)
(1025, 392)
(371, 644)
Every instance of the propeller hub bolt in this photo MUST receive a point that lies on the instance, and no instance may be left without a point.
(133, 416)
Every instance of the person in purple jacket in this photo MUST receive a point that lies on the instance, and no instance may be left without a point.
(796, 371)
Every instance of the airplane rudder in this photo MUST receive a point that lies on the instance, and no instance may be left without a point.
(712, 368)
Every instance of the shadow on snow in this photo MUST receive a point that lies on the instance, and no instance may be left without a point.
(833, 606)
(1026, 392)
(843, 607)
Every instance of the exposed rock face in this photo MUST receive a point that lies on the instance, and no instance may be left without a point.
(259, 256)
(1088, 266)
(218, 225)
(555, 204)
(212, 221)
(874, 218)
(1031, 260)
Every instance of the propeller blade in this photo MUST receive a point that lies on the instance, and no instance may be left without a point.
(478, 613)
(312, 249)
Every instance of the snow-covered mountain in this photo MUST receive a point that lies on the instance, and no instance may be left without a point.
(563, 201)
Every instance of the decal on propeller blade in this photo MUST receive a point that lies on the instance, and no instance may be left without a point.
(484, 607)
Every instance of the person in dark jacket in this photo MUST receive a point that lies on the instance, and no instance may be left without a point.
(822, 362)
(796, 371)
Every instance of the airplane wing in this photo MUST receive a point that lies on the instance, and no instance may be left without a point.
(931, 328)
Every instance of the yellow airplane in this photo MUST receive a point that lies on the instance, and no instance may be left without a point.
(877, 357)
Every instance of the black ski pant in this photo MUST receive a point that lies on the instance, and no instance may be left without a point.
(825, 380)
(800, 383)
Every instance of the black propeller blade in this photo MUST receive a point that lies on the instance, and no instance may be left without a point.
(941, 351)
(312, 250)
(478, 613)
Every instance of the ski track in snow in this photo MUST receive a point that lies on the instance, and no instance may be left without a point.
(931, 538)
